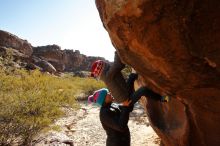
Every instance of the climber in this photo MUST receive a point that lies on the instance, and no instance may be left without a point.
(114, 80)
(114, 117)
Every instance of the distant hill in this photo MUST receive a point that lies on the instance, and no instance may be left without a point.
(50, 58)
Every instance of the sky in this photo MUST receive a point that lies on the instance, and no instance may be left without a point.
(71, 24)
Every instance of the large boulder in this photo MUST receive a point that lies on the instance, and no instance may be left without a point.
(46, 66)
(175, 47)
(9, 40)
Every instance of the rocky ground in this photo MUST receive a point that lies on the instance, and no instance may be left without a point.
(83, 128)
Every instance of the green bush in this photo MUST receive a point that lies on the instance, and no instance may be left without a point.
(31, 101)
(7, 62)
(86, 85)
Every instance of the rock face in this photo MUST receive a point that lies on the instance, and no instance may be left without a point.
(52, 54)
(65, 60)
(175, 47)
(9, 40)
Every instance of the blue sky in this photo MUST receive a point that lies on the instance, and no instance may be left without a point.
(71, 24)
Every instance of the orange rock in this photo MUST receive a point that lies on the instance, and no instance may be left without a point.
(175, 47)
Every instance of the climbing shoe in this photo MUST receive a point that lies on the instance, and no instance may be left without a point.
(165, 98)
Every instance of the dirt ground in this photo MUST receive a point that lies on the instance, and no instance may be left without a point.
(83, 128)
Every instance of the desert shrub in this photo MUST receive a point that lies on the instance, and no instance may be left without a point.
(85, 85)
(7, 61)
(31, 101)
(7, 58)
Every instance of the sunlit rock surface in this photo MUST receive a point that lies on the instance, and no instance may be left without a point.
(65, 60)
(9, 40)
(175, 47)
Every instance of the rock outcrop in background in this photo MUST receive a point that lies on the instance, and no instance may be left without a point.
(65, 60)
(9, 40)
(175, 47)
(50, 58)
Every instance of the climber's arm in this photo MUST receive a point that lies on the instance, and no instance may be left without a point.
(116, 67)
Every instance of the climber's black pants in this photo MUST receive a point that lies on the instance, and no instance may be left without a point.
(144, 91)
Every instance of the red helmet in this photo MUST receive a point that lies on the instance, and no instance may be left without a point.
(97, 68)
